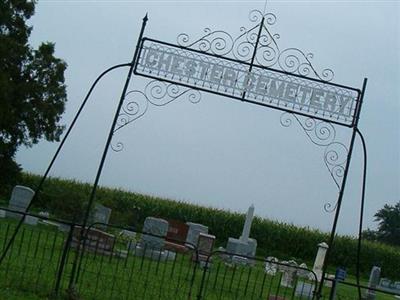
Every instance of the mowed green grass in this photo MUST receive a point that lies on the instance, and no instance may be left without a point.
(30, 271)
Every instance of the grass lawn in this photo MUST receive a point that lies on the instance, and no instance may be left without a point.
(30, 271)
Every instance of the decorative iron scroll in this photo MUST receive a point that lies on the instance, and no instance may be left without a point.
(268, 54)
(323, 134)
(156, 93)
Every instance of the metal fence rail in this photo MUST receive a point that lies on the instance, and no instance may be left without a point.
(229, 276)
(49, 260)
(33, 262)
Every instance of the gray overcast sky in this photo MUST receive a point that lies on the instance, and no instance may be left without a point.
(220, 152)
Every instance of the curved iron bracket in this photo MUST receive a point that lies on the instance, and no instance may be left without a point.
(156, 93)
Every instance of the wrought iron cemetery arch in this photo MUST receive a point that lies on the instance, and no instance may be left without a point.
(286, 80)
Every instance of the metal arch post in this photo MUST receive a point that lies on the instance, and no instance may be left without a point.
(255, 51)
(83, 232)
(341, 193)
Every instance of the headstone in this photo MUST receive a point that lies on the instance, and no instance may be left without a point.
(21, 197)
(44, 214)
(329, 280)
(97, 241)
(193, 232)
(289, 274)
(31, 220)
(64, 227)
(319, 260)
(384, 282)
(129, 237)
(2, 213)
(127, 234)
(205, 246)
(157, 227)
(303, 272)
(205, 243)
(270, 265)
(374, 278)
(240, 260)
(101, 214)
(304, 290)
(177, 231)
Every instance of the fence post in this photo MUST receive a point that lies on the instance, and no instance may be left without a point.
(203, 279)
(63, 259)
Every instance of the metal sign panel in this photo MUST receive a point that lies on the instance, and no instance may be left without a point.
(251, 83)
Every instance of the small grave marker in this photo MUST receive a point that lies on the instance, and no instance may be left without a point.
(21, 197)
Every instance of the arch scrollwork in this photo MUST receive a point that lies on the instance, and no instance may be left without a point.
(268, 52)
(155, 93)
(323, 134)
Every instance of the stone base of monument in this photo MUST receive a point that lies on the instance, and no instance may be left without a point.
(155, 254)
(241, 248)
(240, 260)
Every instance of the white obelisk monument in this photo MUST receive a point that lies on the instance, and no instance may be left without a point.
(247, 224)
(245, 245)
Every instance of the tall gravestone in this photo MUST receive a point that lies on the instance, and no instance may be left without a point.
(319, 260)
(373, 282)
(21, 197)
(244, 245)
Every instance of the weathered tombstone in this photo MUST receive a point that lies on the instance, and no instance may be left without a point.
(289, 274)
(101, 214)
(303, 272)
(31, 220)
(245, 245)
(205, 246)
(129, 237)
(304, 290)
(374, 278)
(177, 232)
(127, 234)
(176, 236)
(157, 227)
(97, 241)
(319, 260)
(44, 214)
(21, 197)
(384, 282)
(193, 232)
(329, 280)
(270, 265)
